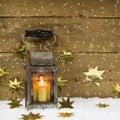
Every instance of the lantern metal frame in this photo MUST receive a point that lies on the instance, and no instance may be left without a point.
(43, 64)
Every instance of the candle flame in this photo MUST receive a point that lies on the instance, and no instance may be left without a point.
(41, 80)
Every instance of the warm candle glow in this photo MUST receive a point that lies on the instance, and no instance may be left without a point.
(43, 90)
(41, 81)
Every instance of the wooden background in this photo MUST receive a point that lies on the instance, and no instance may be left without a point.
(90, 28)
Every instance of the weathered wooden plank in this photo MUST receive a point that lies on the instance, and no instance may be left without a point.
(73, 90)
(5, 93)
(104, 8)
(72, 72)
(84, 90)
(75, 86)
(105, 61)
(109, 62)
(15, 67)
(88, 90)
(92, 35)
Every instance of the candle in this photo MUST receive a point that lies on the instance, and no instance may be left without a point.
(43, 90)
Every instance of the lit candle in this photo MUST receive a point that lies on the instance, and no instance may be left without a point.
(43, 90)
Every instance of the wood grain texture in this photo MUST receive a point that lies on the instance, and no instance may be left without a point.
(73, 73)
(15, 67)
(87, 90)
(89, 28)
(91, 35)
(94, 8)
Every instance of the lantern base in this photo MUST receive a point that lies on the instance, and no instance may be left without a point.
(42, 106)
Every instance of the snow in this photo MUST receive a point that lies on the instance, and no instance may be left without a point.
(84, 109)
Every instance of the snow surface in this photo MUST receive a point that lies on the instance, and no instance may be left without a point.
(84, 109)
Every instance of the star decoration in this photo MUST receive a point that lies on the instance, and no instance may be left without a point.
(66, 103)
(15, 85)
(61, 83)
(31, 116)
(117, 90)
(65, 114)
(15, 103)
(21, 52)
(3, 72)
(67, 56)
(93, 75)
(100, 105)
